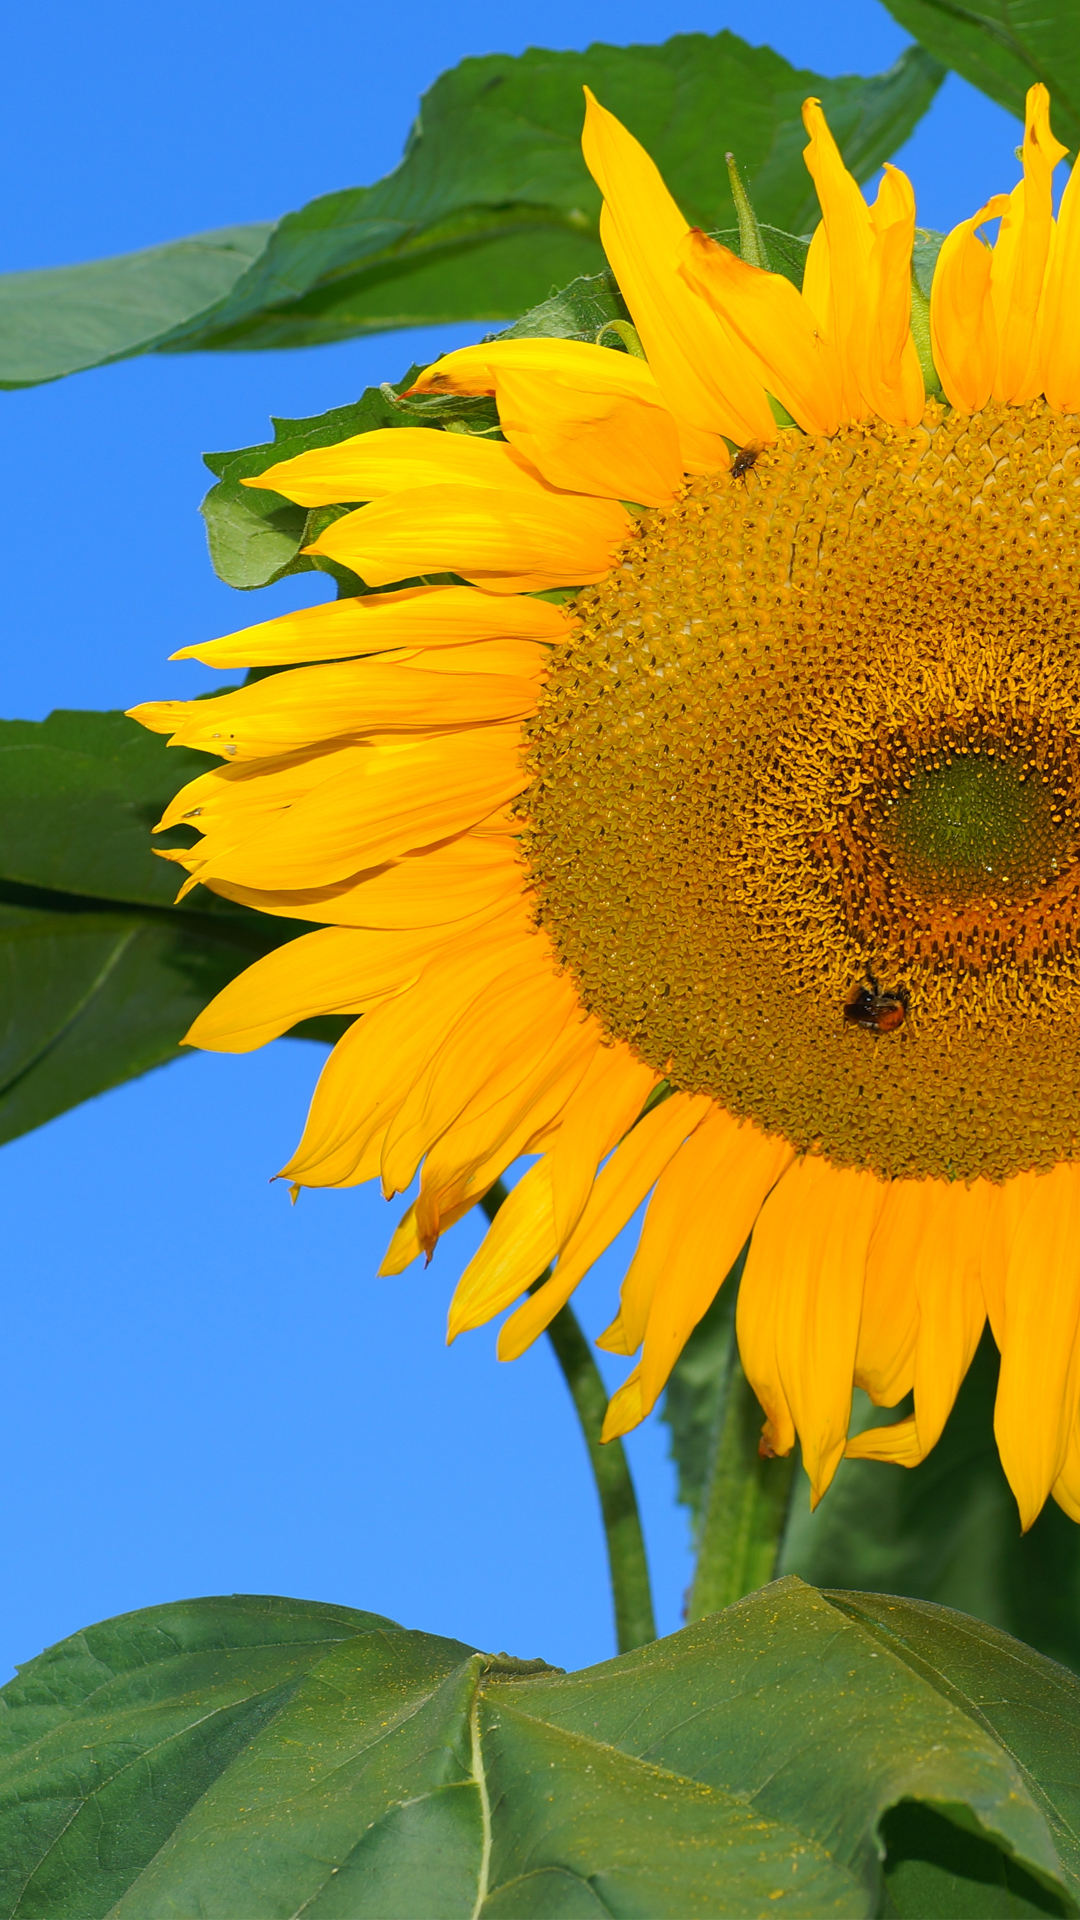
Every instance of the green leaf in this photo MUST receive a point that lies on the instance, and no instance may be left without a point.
(100, 973)
(256, 536)
(1003, 47)
(241, 1758)
(489, 209)
(947, 1530)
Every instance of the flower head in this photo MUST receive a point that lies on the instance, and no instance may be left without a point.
(747, 877)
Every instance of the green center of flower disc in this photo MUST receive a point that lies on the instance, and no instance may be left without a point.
(974, 823)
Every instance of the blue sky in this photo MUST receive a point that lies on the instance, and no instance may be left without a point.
(207, 1390)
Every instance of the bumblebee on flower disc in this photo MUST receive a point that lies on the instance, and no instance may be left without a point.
(875, 1011)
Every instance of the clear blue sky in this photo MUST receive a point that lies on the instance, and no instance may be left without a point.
(205, 1389)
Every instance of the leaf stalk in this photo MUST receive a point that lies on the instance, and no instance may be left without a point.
(628, 1566)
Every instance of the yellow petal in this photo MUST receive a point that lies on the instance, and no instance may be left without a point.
(517, 1247)
(698, 1221)
(392, 459)
(1066, 1488)
(1059, 335)
(500, 1123)
(837, 276)
(573, 362)
(799, 1307)
(1039, 1388)
(898, 1443)
(705, 379)
(587, 418)
(952, 1313)
(598, 1109)
(894, 381)
(404, 1245)
(290, 711)
(1020, 257)
(618, 1191)
(889, 1325)
(338, 970)
(858, 281)
(375, 623)
(605, 1107)
(618, 446)
(775, 326)
(963, 330)
(374, 803)
(510, 543)
(518, 1020)
(439, 886)
(373, 1066)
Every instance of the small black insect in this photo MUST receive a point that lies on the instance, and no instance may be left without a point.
(875, 1011)
(744, 459)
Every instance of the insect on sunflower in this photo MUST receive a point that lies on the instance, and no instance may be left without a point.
(749, 877)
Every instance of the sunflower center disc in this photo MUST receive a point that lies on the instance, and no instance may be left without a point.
(820, 726)
(974, 823)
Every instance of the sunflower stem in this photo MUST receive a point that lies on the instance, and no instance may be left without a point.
(746, 1502)
(751, 241)
(627, 1564)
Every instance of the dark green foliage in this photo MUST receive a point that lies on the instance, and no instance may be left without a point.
(1003, 47)
(247, 1758)
(491, 207)
(100, 973)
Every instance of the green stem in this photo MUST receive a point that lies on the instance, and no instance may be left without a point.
(746, 1502)
(751, 240)
(627, 1564)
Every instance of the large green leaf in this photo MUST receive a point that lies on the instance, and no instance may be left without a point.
(489, 209)
(1003, 46)
(247, 1758)
(100, 973)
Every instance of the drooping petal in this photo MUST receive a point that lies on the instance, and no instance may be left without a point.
(371, 1070)
(706, 379)
(776, 327)
(620, 1187)
(705, 1204)
(491, 1043)
(376, 623)
(799, 1307)
(889, 1323)
(937, 1229)
(587, 418)
(514, 542)
(1038, 1396)
(515, 1250)
(543, 1098)
(963, 329)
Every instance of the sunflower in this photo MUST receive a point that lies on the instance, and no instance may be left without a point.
(715, 835)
